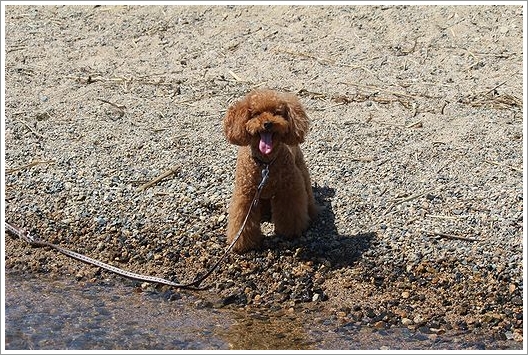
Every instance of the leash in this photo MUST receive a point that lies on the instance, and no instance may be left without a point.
(26, 236)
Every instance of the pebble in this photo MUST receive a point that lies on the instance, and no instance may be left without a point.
(406, 321)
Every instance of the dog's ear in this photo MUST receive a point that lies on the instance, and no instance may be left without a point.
(235, 123)
(298, 120)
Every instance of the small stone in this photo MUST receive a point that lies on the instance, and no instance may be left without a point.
(379, 325)
(100, 221)
(406, 321)
(461, 310)
(405, 294)
(518, 336)
(200, 304)
(425, 330)
(432, 337)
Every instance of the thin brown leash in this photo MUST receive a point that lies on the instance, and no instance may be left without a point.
(194, 285)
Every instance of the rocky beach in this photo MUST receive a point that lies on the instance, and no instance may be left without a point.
(114, 148)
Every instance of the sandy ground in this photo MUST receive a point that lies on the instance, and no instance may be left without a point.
(415, 152)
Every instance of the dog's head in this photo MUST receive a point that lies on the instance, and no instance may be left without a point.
(264, 119)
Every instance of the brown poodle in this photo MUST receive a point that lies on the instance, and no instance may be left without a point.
(269, 126)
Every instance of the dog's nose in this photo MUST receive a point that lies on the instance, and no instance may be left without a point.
(268, 125)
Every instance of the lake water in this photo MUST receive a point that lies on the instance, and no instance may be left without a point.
(43, 314)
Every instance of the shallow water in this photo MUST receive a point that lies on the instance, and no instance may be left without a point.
(43, 313)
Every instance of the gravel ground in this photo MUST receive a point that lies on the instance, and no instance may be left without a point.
(415, 153)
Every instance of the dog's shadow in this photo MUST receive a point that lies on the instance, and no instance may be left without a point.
(322, 243)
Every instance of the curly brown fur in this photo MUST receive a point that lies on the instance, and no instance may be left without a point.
(269, 126)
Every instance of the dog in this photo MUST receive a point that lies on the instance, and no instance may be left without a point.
(268, 127)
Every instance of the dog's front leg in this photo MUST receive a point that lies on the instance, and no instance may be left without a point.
(241, 202)
(250, 237)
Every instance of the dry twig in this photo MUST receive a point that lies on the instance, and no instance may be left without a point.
(305, 55)
(236, 77)
(120, 108)
(29, 127)
(450, 236)
(410, 198)
(33, 163)
(417, 124)
(158, 179)
(445, 217)
(401, 200)
(391, 92)
(492, 98)
(503, 165)
(366, 159)
(118, 80)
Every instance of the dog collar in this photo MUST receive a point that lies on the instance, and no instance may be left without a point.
(262, 162)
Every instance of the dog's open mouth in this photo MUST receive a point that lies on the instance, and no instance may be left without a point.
(266, 142)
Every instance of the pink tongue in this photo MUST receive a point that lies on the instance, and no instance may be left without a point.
(265, 144)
